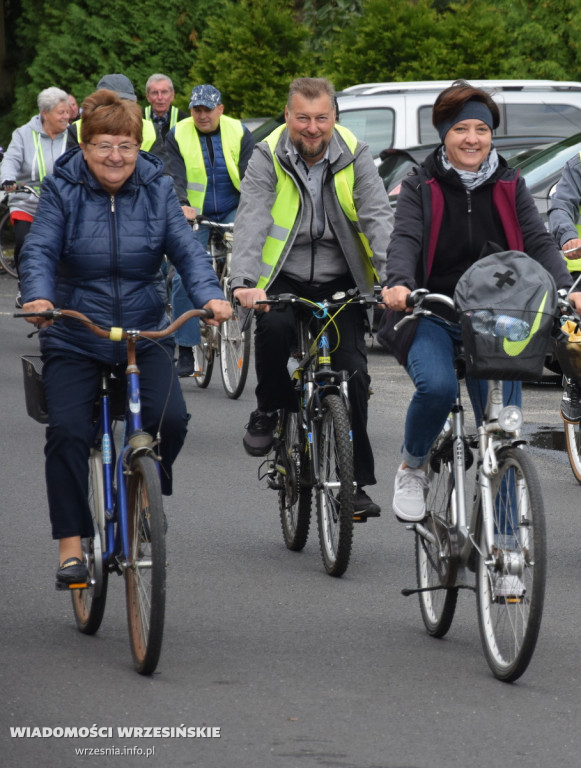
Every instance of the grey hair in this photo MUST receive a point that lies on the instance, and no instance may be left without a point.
(50, 97)
(157, 78)
(311, 88)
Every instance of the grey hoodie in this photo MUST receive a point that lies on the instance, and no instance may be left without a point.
(21, 161)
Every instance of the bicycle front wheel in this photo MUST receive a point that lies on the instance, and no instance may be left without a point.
(7, 245)
(204, 357)
(573, 442)
(436, 552)
(295, 494)
(145, 571)
(89, 603)
(510, 581)
(335, 490)
(234, 356)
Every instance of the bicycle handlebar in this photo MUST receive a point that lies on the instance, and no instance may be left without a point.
(118, 334)
(338, 299)
(21, 188)
(224, 226)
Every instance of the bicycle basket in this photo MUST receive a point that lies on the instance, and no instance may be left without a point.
(567, 345)
(34, 388)
(507, 304)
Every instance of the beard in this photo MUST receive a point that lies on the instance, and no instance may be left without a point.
(309, 150)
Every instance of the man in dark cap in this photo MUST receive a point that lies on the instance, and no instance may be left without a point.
(207, 155)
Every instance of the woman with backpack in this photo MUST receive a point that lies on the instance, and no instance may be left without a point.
(461, 203)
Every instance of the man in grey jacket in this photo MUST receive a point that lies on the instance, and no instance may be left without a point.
(314, 218)
(564, 210)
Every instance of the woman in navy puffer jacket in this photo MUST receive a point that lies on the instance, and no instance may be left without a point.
(105, 220)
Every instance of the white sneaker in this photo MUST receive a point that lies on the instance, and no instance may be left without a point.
(409, 495)
(509, 587)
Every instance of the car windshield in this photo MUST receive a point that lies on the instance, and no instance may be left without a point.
(548, 161)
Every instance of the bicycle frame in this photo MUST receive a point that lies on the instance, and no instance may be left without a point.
(134, 440)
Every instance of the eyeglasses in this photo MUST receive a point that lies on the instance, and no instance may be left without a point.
(125, 150)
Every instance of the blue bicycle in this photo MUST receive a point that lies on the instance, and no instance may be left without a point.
(124, 497)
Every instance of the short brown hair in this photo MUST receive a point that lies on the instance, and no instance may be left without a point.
(311, 88)
(451, 100)
(105, 112)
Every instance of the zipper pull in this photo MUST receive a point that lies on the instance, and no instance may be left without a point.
(112, 203)
(469, 202)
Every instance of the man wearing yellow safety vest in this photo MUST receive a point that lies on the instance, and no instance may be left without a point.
(122, 85)
(564, 217)
(160, 93)
(313, 219)
(207, 155)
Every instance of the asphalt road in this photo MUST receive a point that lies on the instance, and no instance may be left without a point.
(296, 669)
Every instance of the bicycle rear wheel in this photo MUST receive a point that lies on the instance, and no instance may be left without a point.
(573, 442)
(436, 564)
(234, 356)
(510, 582)
(295, 495)
(335, 491)
(89, 603)
(204, 357)
(7, 245)
(145, 574)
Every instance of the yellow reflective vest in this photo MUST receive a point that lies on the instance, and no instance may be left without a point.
(173, 115)
(186, 134)
(149, 134)
(286, 207)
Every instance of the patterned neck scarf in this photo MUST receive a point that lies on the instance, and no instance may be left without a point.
(472, 179)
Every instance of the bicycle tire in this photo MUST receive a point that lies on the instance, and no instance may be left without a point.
(509, 626)
(204, 354)
(7, 245)
(89, 603)
(295, 495)
(234, 356)
(573, 443)
(335, 490)
(145, 575)
(436, 564)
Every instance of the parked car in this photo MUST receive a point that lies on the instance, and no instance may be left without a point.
(543, 170)
(399, 115)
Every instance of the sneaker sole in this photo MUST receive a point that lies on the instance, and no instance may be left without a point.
(257, 452)
(406, 518)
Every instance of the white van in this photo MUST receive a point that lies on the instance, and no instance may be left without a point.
(399, 115)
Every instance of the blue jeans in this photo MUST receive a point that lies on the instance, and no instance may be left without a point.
(189, 334)
(430, 364)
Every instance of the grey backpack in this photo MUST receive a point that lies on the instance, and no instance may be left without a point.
(507, 305)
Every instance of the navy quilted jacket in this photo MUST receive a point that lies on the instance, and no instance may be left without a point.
(102, 255)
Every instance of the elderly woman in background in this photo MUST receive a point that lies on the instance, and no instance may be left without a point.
(30, 157)
(462, 202)
(105, 220)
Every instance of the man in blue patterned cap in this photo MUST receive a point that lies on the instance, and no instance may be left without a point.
(207, 155)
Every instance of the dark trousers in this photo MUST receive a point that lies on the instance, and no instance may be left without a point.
(20, 229)
(275, 336)
(71, 382)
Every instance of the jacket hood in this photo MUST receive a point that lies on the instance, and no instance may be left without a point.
(35, 123)
(72, 168)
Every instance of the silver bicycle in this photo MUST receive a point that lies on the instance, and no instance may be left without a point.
(499, 550)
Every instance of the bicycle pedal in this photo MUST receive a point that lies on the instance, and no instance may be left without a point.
(359, 518)
(60, 587)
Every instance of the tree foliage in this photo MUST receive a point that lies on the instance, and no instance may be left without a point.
(73, 44)
(250, 52)
(252, 49)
